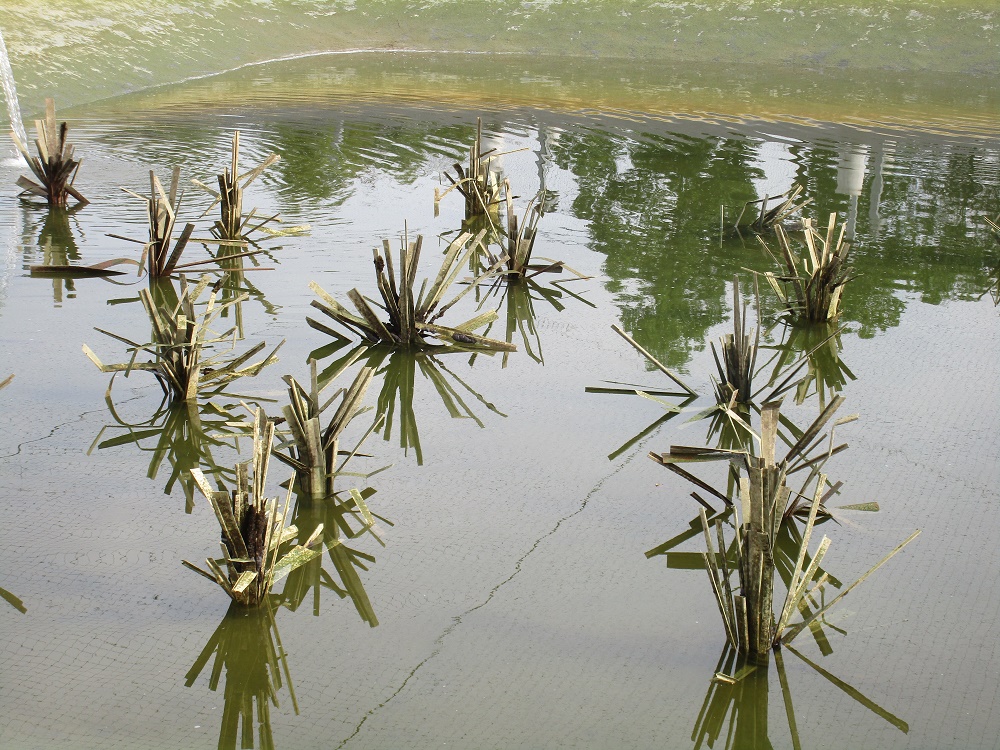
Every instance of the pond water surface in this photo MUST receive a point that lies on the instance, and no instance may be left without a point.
(508, 600)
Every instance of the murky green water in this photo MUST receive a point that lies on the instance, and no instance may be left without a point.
(509, 603)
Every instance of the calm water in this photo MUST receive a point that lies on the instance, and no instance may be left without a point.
(512, 604)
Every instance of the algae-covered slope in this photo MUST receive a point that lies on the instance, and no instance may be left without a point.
(80, 52)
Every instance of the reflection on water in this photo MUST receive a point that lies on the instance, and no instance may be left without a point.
(653, 207)
(181, 433)
(650, 197)
(398, 369)
(825, 374)
(647, 201)
(251, 662)
(343, 522)
(515, 301)
(235, 286)
(736, 710)
(323, 161)
(56, 241)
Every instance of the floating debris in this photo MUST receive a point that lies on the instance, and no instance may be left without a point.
(815, 293)
(13, 600)
(55, 167)
(233, 224)
(68, 271)
(412, 317)
(787, 209)
(180, 338)
(642, 390)
(313, 451)
(254, 535)
(765, 500)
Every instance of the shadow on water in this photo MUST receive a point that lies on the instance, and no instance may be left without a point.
(735, 708)
(398, 370)
(251, 662)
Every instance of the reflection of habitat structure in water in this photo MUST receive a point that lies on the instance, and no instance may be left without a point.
(825, 374)
(398, 369)
(183, 436)
(736, 704)
(344, 518)
(251, 661)
(517, 296)
(787, 209)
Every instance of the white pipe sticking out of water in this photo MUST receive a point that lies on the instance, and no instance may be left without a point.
(14, 110)
(10, 93)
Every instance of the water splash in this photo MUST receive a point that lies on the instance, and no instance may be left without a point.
(10, 93)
